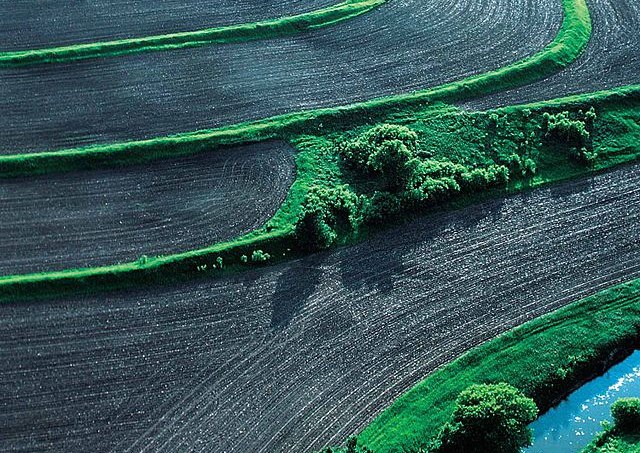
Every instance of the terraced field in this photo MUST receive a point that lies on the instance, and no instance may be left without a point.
(301, 354)
(101, 217)
(305, 353)
(610, 60)
(23, 26)
(401, 46)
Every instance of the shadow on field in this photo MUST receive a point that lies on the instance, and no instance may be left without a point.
(295, 286)
(385, 257)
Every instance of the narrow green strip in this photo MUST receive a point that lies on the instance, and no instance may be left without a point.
(285, 26)
(276, 237)
(572, 37)
(565, 48)
(545, 358)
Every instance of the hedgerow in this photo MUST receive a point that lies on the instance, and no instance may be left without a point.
(221, 35)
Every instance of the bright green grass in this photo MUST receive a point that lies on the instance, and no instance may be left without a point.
(612, 442)
(543, 358)
(221, 35)
(445, 132)
(565, 48)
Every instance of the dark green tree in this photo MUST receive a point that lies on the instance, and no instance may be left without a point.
(626, 415)
(489, 418)
(325, 212)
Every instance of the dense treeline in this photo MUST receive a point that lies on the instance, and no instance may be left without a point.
(388, 170)
(407, 179)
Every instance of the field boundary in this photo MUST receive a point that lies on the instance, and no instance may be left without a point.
(546, 358)
(573, 36)
(276, 237)
(265, 29)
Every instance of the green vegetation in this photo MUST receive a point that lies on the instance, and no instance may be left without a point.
(351, 182)
(543, 358)
(610, 442)
(489, 417)
(221, 35)
(626, 415)
(413, 162)
(568, 44)
(624, 435)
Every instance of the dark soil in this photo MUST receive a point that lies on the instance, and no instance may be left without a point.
(402, 46)
(101, 217)
(303, 354)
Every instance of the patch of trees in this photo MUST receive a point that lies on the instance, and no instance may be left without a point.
(326, 212)
(488, 418)
(574, 132)
(408, 179)
(392, 152)
(626, 415)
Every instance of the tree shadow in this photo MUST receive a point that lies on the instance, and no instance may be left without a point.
(380, 261)
(295, 286)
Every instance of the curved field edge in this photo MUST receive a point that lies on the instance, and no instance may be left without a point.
(545, 358)
(563, 50)
(317, 165)
(266, 29)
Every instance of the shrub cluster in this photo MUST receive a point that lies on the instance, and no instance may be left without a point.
(325, 213)
(573, 132)
(392, 152)
(626, 415)
(488, 418)
(385, 149)
(408, 179)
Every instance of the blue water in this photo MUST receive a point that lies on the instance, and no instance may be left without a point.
(571, 425)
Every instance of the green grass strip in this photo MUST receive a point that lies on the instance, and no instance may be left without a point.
(285, 26)
(276, 237)
(565, 48)
(545, 358)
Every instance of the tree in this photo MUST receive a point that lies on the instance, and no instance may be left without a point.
(489, 418)
(626, 414)
(325, 212)
(385, 149)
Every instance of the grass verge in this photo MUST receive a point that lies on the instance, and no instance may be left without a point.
(565, 48)
(545, 358)
(481, 140)
(285, 26)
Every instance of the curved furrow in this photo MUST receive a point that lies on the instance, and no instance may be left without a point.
(307, 352)
(610, 60)
(401, 46)
(23, 26)
(93, 218)
(326, 415)
(382, 374)
(411, 371)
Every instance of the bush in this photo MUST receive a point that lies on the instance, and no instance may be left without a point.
(626, 415)
(381, 208)
(433, 180)
(384, 149)
(258, 256)
(325, 212)
(560, 127)
(520, 165)
(572, 132)
(489, 418)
